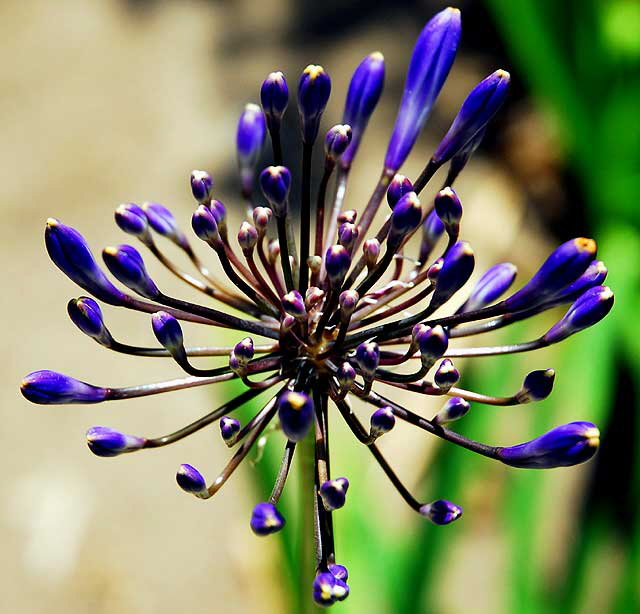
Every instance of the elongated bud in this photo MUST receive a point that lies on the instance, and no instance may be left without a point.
(274, 96)
(432, 230)
(295, 410)
(368, 357)
(563, 446)
(168, 332)
(449, 210)
(587, 310)
(104, 441)
(481, 105)
(371, 250)
(229, 427)
(430, 63)
(399, 186)
(314, 89)
(491, 286)
(86, 314)
(564, 266)
(446, 375)
(126, 264)
(336, 141)
(250, 137)
(201, 186)
(405, 218)
(595, 275)
(275, 182)
(133, 220)
(337, 261)
(70, 253)
(205, 226)
(163, 222)
(432, 343)
(441, 512)
(537, 386)
(382, 421)
(362, 97)
(51, 388)
(345, 375)
(334, 493)
(191, 480)
(347, 235)
(247, 237)
(266, 519)
(293, 304)
(261, 218)
(454, 409)
(456, 269)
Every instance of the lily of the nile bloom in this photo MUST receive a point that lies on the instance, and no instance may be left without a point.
(325, 319)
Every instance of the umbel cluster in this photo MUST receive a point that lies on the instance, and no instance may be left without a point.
(330, 312)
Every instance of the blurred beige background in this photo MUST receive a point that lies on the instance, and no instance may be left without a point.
(101, 104)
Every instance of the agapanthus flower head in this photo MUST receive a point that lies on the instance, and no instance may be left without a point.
(322, 315)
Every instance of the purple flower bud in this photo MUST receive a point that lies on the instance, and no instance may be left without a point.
(132, 219)
(481, 105)
(228, 427)
(219, 212)
(273, 251)
(313, 296)
(586, 311)
(371, 250)
(191, 480)
(127, 266)
(334, 493)
(563, 446)
(275, 182)
(163, 222)
(70, 253)
(362, 97)
(453, 409)
(336, 141)
(201, 186)
(434, 270)
(441, 512)
(564, 266)
(51, 388)
(314, 89)
(595, 275)
(168, 332)
(456, 269)
(261, 218)
(340, 590)
(348, 301)
(274, 96)
(323, 587)
(382, 421)
(244, 350)
(399, 186)
(104, 441)
(491, 286)
(293, 304)
(350, 216)
(405, 218)
(266, 519)
(205, 226)
(337, 262)
(449, 210)
(339, 572)
(345, 375)
(247, 237)
(250, 137)
(295, 410)
(430, 63)
(368, 357)
(432, 230)
(347, 235)
(537, 386)
(446, 375)
(432, 343)
(86, 314)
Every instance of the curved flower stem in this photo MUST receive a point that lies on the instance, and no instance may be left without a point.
(307, 497)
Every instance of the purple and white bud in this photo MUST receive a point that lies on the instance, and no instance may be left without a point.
(201, 186)
(275, 182)
(313, 296)
(133, 220)
(367, 358)
(337, 141)
(163, 222)
(446, 375)
(229, 427)
(51, 388)
(86, 314)
(104, 441)
(168, 332)
(293, 304)
(441, 512)
(337, 262)
(261, 218)
(405, 219)
(314, 89)
(274, 96)
(205, 226)
(266, 519)
(191, 481)
(537, 386)
(334, 493)
(399, 186)
(348, 302)
(127, 266)
(382, 421)
(432, 343)
(453, 409)
(371, 252)
(295, 411)
(247, 237)
(347, 235)
(449, 210)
